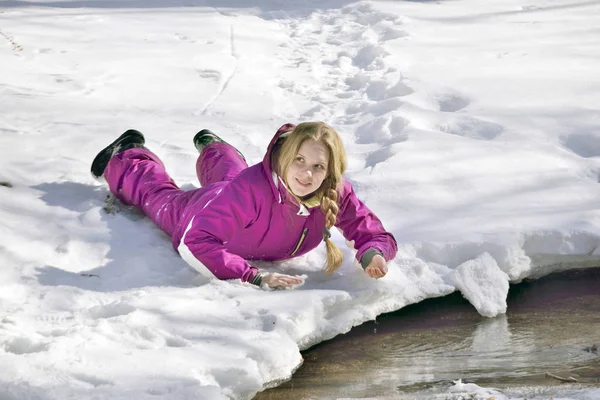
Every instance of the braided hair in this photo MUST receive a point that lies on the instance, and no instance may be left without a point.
(328, 191)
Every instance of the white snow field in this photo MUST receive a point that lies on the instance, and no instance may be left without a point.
(472, 130)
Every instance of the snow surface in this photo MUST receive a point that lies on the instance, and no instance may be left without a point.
(471, 391)
(472, 129)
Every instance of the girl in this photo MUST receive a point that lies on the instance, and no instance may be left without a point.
(275, 210)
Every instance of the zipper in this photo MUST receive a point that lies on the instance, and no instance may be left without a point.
(304, 232)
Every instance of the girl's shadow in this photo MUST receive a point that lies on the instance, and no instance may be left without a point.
(139, 254)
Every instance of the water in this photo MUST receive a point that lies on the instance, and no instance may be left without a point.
(552, 325)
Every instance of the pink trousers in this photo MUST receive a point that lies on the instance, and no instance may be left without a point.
(138, 177)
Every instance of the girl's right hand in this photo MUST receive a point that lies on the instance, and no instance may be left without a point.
(275, 280)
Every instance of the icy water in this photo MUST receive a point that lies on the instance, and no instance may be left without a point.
(552, 325)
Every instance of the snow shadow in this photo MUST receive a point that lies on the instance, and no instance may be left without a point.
(520, 11)
(139, 254)
(584, 143)
(266, 8)
(70, 195)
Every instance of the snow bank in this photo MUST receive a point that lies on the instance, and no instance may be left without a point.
(471, 129)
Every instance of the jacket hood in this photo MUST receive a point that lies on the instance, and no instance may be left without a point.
(279, 190)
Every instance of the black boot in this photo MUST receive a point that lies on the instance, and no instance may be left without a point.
(206, 137)
(128, 140)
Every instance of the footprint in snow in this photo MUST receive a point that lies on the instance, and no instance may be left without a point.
(111, 310)
(313, 112)
(382, 130)
(158, 339)
(396, 127)
(366, 15)
(380, 156)
(68, 82)
(374, 131)
(378, 90)
(370, 57)
(344, 95)
(472, 128)
(209, 74)
(391, 34)
(343, 34)
(23, 345)
(451, 102)
(56, 319)
(383, 107)
(584, 144)
(176, 341)
(358, 81)
(269, 322)
(43, 51)
(92, 380)
(383, 24)
(183, 38)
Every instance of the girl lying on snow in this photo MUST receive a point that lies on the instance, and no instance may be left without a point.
(275, 210)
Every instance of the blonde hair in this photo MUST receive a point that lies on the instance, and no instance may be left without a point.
(286, 153)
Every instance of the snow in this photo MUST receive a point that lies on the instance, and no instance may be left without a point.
(471, 391)
(472, 130)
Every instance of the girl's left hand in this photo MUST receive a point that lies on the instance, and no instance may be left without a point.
(377, 268)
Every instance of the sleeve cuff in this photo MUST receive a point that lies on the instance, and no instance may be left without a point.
(368, 257)
(257, 279)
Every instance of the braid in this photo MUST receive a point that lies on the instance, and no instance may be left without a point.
(284, 153)
(330, 208)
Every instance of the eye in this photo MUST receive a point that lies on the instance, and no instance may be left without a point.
(320, 166)
(301, 159)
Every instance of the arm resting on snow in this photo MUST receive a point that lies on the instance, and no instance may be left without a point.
(359, 224)
(202, 244)
(367, 257)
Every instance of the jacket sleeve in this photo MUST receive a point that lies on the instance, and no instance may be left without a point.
(231, 210)
(359, 224)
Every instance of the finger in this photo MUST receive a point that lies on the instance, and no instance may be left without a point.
(285, 285)
(293, 279)
(289, 281)
(279, 278)
(278, 283)
(293, 282)
(376, 273)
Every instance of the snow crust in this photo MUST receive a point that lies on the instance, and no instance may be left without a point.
(472, 130)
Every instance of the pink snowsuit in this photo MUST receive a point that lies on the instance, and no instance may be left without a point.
(240, 213)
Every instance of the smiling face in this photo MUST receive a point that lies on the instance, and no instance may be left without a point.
(309, 168)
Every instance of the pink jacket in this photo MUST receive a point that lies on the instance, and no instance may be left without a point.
(254, 217)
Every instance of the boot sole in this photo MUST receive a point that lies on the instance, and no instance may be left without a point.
(102, 159)
(218, 139)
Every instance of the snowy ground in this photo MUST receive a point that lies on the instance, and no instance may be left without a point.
(472, 128)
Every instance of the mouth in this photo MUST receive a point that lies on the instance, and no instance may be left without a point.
(305, 185)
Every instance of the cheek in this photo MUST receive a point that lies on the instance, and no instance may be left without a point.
(321, 176)
(291, 172)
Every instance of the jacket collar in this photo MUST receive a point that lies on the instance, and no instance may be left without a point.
(305, 205)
